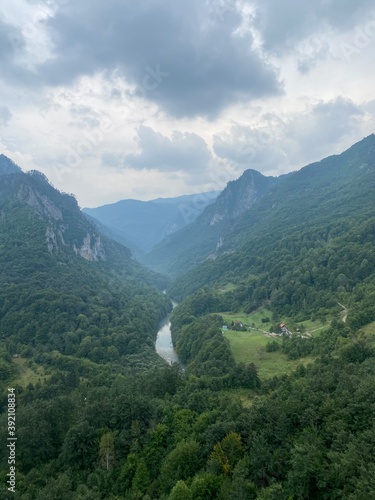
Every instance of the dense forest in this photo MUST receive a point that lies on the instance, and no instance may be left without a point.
(99, 415)
(157, 432)
(303, 274)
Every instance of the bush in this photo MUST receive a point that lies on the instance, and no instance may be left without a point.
(273, 346)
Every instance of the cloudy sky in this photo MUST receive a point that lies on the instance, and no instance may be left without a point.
(140, 99)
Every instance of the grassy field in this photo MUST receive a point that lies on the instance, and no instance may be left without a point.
(255, 320)
(250, 346)
(229, 287)
(369, 331)
(26, 375)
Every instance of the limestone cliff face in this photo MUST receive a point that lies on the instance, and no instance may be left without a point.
(39, 202)
(66, 228)
(237, 197)
(92, 248)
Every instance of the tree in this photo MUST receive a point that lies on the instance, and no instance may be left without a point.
(206, 486)
(180, 492)
(107, 450)
(227, 453)
(80, 447)
(57, 489)
(181, 463)
(141, 480)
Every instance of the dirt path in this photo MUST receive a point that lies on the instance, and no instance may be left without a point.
(344, 312)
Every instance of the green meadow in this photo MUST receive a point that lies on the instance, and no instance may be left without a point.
(250, 346)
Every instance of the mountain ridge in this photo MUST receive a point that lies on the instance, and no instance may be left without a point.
(312, 211)
(7, 166)
(64, 232)
(294, 197)
(142, 224)
(57, 271)
(32, 190)
(209, 229)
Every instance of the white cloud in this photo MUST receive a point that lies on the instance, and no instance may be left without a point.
(183, 151)
(288, 141)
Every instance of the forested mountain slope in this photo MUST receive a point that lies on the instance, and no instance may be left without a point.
(313, 242)
(335, 189)
(64, 286)
(197, 241)
(98, 416)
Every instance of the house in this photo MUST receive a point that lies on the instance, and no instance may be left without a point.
(284, 330)
(224, 328)
(238, 326)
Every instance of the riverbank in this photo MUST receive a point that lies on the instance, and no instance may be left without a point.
(163, 344)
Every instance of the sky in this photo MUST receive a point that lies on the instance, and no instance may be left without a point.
(158, 98)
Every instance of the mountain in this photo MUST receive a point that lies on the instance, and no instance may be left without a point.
(104, 230)
(254, 205)
(252, 414)
(201, 239)
(7, 166)
(339, 186)
(142, 224)
(305, 247)
(63, 284)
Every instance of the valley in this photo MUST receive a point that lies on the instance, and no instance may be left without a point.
(266, 391)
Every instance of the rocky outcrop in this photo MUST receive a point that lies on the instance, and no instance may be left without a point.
(237, 197)
(66, 229)
(39, 202)
(92, 248)
(51, 239)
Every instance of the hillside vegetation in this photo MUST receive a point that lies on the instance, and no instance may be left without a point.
(101, 417)
(318, 203)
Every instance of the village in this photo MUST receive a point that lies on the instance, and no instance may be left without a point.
(283, 330)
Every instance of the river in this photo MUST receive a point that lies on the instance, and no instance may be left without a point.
(163, 344)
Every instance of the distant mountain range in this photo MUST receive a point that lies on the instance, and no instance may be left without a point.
(79, 319)
(140, 225)
(255, 205)
(185, 248)
(303, 221)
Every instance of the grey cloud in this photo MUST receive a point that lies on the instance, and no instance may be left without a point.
(317, 133)
(370, 107)
(177, 53)
(285, 144)
(11, 43)
(248, 147)
(110, 159)
(282, 24)
(306, 63)
(85, 116)
(5, 115)
(186, 152)
(11, 40)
